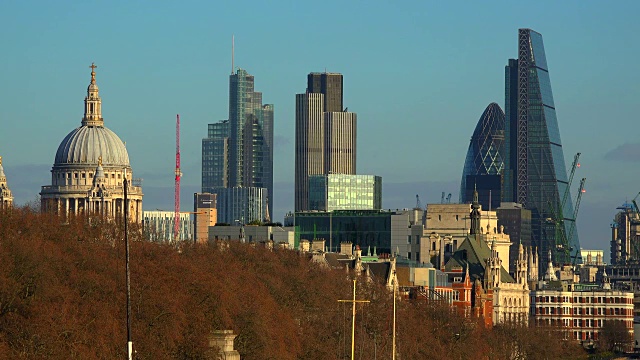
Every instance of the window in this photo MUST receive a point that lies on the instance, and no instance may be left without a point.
(409, 239)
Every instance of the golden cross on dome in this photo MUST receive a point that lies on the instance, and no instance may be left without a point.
(93, 72)
(100, 160)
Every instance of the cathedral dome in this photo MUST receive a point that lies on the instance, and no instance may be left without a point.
(92, 140)
(86, 144)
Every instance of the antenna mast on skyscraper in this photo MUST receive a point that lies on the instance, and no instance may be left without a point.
(233, 48)
(176, 219)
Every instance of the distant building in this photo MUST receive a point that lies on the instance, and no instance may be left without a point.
(345, 192)
(625, 235)
(581, 310)
(241, 205)
(535, 174)
(158, 226)
(6, 199)
(205, 215)
(215, 157)
(238, 152)
(89, 168)
(254, 234)
(485, 160)
(516, 222)
(592, 257)
(498, 297)
(385, 231)
(325, 134)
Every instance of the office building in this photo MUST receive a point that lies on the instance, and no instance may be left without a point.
(384, 231)
(205, 211)
(625, 235)
(582, 310)
(485, 160)
(215, 156)
(345, 192)
(241, 205)
(325, 134)
(238, 152)
(516, 222)
(158, 226)
(535, 174)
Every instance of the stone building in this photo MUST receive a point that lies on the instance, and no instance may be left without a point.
(6, 199)
(89, 168)
(496, 296)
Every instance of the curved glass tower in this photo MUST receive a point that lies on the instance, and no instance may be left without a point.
(535, 174)
(485, 160)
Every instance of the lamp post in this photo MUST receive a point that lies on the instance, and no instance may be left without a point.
(126, 244)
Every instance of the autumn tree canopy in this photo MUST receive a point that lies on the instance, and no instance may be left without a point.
(62, 295)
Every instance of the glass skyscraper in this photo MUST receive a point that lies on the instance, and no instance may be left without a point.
(345, 192)
(215, 148)
(485, 160)
(238, 153)
(535, 174)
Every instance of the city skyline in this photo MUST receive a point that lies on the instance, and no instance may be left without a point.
(415, 85)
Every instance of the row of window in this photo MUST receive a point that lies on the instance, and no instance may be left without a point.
(582, 299)
(83, 175)
(582, 311)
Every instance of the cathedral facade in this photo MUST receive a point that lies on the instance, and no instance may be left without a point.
(90, 167)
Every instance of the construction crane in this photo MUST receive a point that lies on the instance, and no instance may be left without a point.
(442, 198)
(418, 203)
(557, 216)
(572, 230)
(449, 198)
(178, 173)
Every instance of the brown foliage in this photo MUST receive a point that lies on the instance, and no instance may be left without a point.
(62, 295)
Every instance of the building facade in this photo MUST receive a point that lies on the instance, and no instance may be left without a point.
(535, 174)
(386, 231)
(215, 156)
(238, 152)
(345, 192)
(582, 311)
(89, 168)
(625, 234)
(484, 163)
(241, 205)
(205, 208)
(325, 134)
(515, 220)
(158, 226)
(6, 198)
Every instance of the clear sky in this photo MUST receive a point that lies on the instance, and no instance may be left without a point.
(418, 74)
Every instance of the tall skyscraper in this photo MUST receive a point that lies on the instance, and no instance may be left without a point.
(325, 134)
(215, 155)
(238, 153)
(535, 174)
(485, 160)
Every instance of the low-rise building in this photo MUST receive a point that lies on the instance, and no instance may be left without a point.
(581, 309)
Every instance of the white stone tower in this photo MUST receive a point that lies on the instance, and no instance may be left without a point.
(6, 199)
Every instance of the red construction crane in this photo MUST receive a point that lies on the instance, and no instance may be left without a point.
(176, 219)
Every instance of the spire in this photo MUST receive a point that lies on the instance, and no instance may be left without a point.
(92, 103)
(1, 169)
(475, 214)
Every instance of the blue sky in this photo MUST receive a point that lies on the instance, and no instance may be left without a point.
(417, 73)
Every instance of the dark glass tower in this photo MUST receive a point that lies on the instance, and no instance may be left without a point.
(535, 173)
(485, 160)
(238, 153)
(329, 84)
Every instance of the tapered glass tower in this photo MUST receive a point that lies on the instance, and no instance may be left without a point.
(485, 160)
(535, 174)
